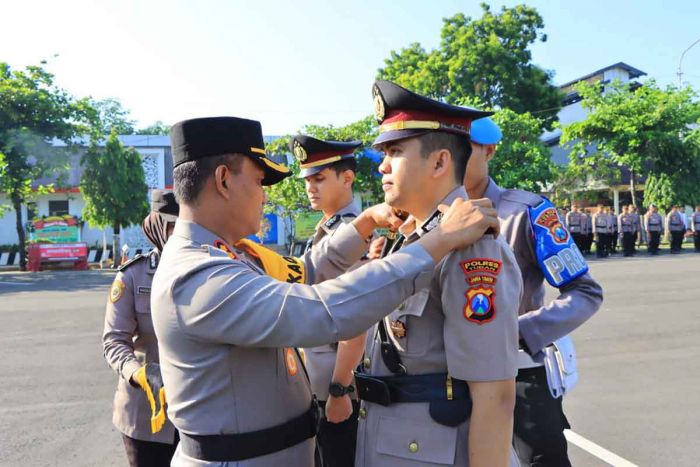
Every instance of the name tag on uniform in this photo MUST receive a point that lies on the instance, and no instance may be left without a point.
(143, 290)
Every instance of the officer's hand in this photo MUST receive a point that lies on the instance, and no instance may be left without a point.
(149, 379)
(338, 409)
(376, 247)
(467, 221)
(377, 216)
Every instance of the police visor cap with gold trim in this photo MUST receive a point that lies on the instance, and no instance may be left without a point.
(163, 202)
(314, 155)
(404, 114)
(214, 136)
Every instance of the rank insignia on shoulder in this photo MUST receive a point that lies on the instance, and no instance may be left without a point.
(153, 260)
(224, 247)
(398, 329)
(117, 290)
(332, 222)
(480, 307)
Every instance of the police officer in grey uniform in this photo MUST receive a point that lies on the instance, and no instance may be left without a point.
(574, 222)
(613, 232)
(129, 342)
(328, 169)
(437, 385)
(675, 229)
(236, 389)
(601, 229)
(628, 226)
(539, 418)
(695, 226)
(654, 225)
(587, 232)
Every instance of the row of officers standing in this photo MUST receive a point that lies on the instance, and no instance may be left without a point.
(630, 229)
(425, 347)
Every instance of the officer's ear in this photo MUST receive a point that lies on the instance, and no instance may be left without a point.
(442, 162)
(490, 152)
(348, 177)
(222, 175)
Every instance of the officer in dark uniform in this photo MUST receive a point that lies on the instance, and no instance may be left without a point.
(328, 170)
(131, 349)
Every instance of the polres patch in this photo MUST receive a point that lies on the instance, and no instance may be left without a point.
(477, 265)
(117, 290)
(291, 361)
(480, 307)
(549, 219)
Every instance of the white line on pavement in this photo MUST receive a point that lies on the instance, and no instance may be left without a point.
(598, 451)
(14, 283)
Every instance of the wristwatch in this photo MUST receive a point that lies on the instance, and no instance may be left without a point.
(338, 390)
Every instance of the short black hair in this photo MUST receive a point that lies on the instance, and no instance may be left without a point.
(343, 165)
(189, 177)
(459, 146)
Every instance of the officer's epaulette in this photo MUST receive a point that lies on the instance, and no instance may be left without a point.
(523, 197)
(131, 262)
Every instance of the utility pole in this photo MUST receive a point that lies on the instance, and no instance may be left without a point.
(680, 63)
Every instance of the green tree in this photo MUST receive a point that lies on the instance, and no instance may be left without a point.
(111, 116)
(488, 58)
(647, 131)
(33, 110)
(288, 198)
(157, 128)
(114, 187)
(522, 160)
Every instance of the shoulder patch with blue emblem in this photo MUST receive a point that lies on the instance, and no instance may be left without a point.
(559, 258)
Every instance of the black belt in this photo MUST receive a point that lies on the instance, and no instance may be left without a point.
(449, 401)
(242, 446)
(386, 390)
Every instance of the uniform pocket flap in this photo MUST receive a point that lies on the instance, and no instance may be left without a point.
(415, 304)
(420, 442)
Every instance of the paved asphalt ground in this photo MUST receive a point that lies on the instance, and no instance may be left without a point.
(639, 364)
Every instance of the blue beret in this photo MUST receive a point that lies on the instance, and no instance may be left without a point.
(485, 131)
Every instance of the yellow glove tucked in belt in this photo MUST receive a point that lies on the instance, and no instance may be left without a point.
(149, 379)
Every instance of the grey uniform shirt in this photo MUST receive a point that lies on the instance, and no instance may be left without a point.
(601, 223)
(226, 329)
(574, 221)
(129, 342)
(540, 324)
(654, 222)
(320, 361)
(439, 337)
(587, 223)
(695, 222)
(627, 223)
(674, 222)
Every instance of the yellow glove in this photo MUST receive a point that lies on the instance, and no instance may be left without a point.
(149, 379)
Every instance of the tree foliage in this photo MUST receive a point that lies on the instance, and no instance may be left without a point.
(648, 131)
(288, 198)
(114, 187)
(488, 58)
(111, 116)
(522, 160)
(157, 128)
(33, 110)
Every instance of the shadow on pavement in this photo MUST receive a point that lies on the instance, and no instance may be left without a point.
(59, 281)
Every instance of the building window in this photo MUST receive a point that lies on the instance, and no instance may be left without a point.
(31, 211)
(58, 208)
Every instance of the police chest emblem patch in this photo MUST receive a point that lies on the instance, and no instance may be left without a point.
(291, 361)
(549, 219)
(117, 290)
(480, 307)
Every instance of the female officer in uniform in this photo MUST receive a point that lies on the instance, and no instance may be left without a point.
(130, 345)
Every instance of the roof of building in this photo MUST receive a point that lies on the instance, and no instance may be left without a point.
(634, 73)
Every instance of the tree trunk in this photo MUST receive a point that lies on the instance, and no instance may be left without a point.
(116, 249)
(17, 205)
(633, 189)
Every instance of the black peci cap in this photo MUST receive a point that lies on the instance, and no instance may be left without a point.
(214, 136)
(163, 202)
